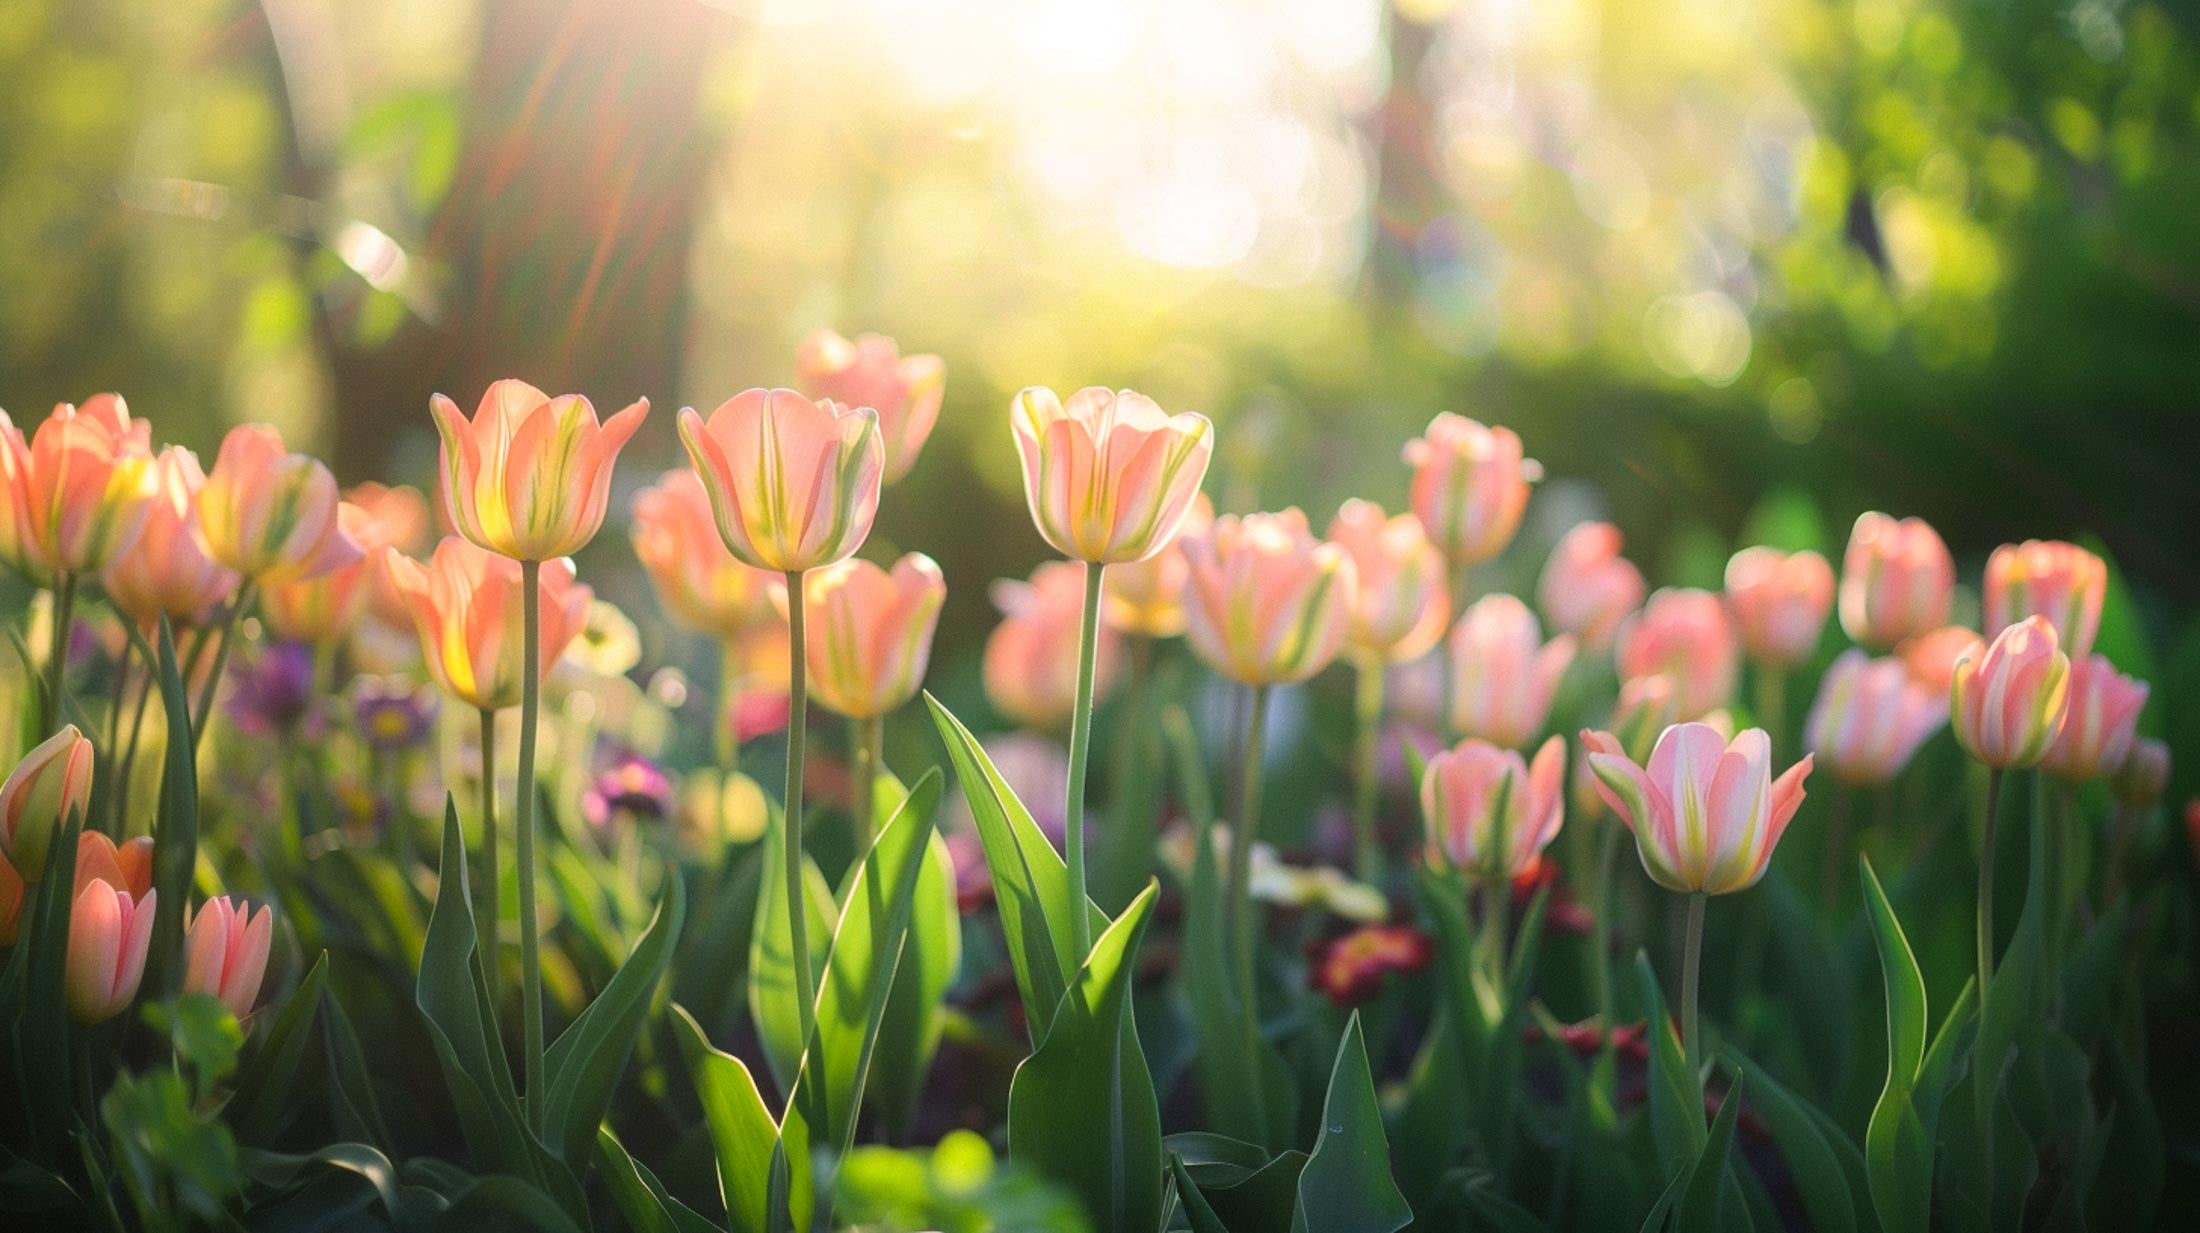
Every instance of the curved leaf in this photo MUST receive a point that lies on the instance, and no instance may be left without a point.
(586, 1061)
(639, 1196)
(915, 1017)
(774, 1003)
(1346, 1186)
(1676, 1096)
(743, 1134)
(1898, 1153)
(1810, 1159)
(266, 1090)
(1699, 1203)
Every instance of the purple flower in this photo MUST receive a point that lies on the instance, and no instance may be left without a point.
(393, 713)
(631, 787)
(271, 687)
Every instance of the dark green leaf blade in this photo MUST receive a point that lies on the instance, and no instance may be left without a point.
(1346, 1186)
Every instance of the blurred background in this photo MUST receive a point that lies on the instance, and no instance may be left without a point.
(1729, 266)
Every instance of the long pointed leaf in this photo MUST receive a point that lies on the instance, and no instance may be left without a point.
(774, 1003)
(585, 1063)
(1897, 1150)
(743, 1134)
(1346, 1186)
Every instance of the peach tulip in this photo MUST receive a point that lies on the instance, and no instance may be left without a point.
(1687, 635)
(1587, 588)
(51, 784)
(1870, 717)
(321, 610)
(225, 952)
(1109, 476)
(2010, 700)
(1503, 673)
(873, 634)
(466, 605)
(1780, 602)
(128, 866)
(2143, 776)
(108, 935)
(1491, 813)
(1030, 663)
(1932, 657)
(701, 585)
(2061, 582)
(270, 515)
(1268, 603)
(1470, 486)
(871, 371)
(397, 517)
(2101, 723)
(793, 484)
(530, 475)
(1401, 603)
(171, 572)
(1706, 812)
(1897, 580)
(1146, 598)
(79, 493)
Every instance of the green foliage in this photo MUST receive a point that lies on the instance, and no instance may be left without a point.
(956, 1187)
(1346, 1183)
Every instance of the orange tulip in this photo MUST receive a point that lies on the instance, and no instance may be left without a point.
(466, 605)
(52, 783)
(1687, 635)
(2010, 700)
(874, 632)
(271, 515)
(170, 572)
(1031, 656)
(872, 372)
(1470, 486)
(2061, 582)
(1146, 598)
(108, 935)
(77, 496)
(225, 952)
(793, 483)
(701, 584)
(1932, 657)
(1780, 601)
(1268, 603)
(529, 476)
(1897, 580)
(1109, 476)
(1587, 587)
(1503, 673)
(1400, 604)
(397, 517)
(128, 867)
(321, 610)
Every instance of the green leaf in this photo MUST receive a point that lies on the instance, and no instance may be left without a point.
(284, 1173)
(585, 1062)
(1215, 1159)
(266, 1092)
(37, 991)
(639, 1196)
(176, 834)
(1898, 1152)
(1802, 1142)
(1699, 1203)
(1346, 1186)
(1082, 1108)
(1676, 1095)
(1030, 883)
(1197, 1212)
(743, 1134)
(500, 1202)
(774, 1002)
(351, 1091)
(915, 1015)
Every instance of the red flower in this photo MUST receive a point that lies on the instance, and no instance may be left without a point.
(1352, 969)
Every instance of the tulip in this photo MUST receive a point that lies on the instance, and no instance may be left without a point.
(1491, 813)
(701, 584)
(1470, 486)
(269, 515)
(52, 783)
(1932, 657)
(872, 372)
(530, 475)
(2102, 721)
(171, 572)
(395, 516)
(128, 867)
(1109, 476)
(793, 484)
(874, 634)
(465, 604)
(1503, 673)
(78, 493)
(2010, 700)
(1686, 635)
(1399, 606)
(1780, 601)
(1268, 603)
(1897, 580)
(2061, 582)
(108, 935)
(321, 611)
(1030, 658)
(2139, 781)
(1145, 599)
(225, 952)
(1870, 717)
(1587, 588)
(1706, 812)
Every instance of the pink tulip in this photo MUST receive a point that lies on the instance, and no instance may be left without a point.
(1400, 604)
(1146, 598)
(321, 610)
(701, 584)
(1109, 476)
(872, 372)
(2010, 700)
(2143, 776)
(1503, 673)
(2061, 582)
(1897, 580)
(530, 475)
(77, 496)
(1031, 656)
(1870, 717)
(397, 517)
(1780, 602)
(225, 952)
(466, 606)
(1268, 603)
(1491, 813)
(171, 571)
(793, 484)
(1470, 486)
(51, 784)
(108, 934)
(1932, 657)
(873, 634)
(1707, 812)
(1587, 588)
(2101, 722)
(128, 867)
(270, 515)
(1686, 635)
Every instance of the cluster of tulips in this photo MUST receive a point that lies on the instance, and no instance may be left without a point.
(754, 546)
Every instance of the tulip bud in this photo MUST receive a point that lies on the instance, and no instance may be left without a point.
(1146, 598)
(2101, 722)
(701, 584)
(128, 867)
(269, 515)
(793, 484)
(78, 494)
(171, 571)
(1503, 673)
(108, 935)
(52, 783)
(1706, 812)
(1870, 717)
(1687, 636)
(529, 476)
(874, 632)
(1491, 813)
(1587, 588)
(1780, 602)
(1897, 580)
(1400, 604)
(2010, 700)
(225, 952)
(2047, 578)
(1109, 476)
(872, 372)
(466, 606)
(1031, 656)
(2144, 775)
(1470, 486)
(1268, 603)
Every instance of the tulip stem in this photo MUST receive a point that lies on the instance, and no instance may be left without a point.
(798, 719)
(1691, 974)
(866, 739)
(222, 649)
(530, 953)
(1242, 832)
(1368, 713)
(1771, 706)
(1080, 750)
(1607, 903)
(1985, 1076)
(727, 731)
(57, 653)
(486, 897)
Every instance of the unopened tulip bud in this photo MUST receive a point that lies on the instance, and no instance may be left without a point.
(51, 784)
(1870, 717)
(225, 952)
(1687, 636)
(108, 934)
(128, 866)
(1399, 603)
(1470, 486)
(1780, 602)
(1587, 588)
(1031, 656)
(1503, 673)
(2047, 578)
(171, 572)
(702, 585)
(2010, 700)
(1897, 580)
(1109, 476)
